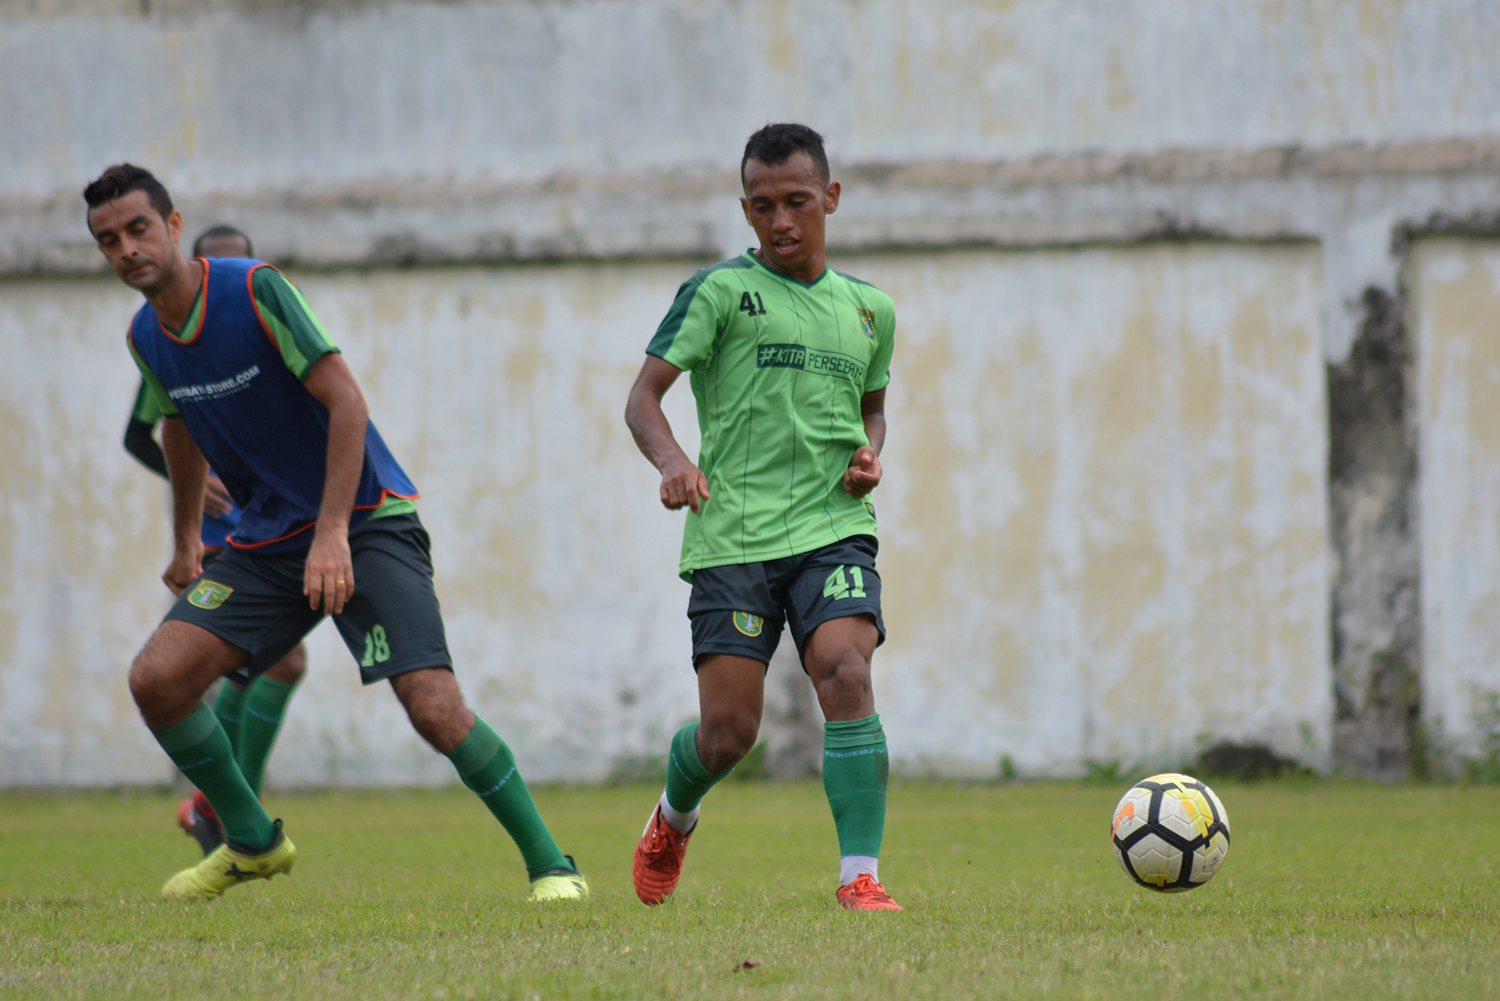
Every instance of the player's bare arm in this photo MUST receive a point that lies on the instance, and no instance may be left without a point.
(216, 499)
(682, 483)
(864, 470)
(187, 471)
(328, 577)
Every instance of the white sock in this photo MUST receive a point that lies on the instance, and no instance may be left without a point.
(851, 866)
(682, 821)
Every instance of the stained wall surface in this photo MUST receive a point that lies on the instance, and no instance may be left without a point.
(1104, 526)
(1120, 401)
(280, 93)
(1102, 522)
(1455, 313)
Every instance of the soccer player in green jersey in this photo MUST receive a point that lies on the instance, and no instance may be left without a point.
(789, 364)
(250, 714)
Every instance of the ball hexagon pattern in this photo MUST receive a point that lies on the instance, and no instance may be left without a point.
(1170, 833)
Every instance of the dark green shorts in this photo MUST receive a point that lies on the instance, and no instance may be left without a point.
(740, 608)
(392, 623)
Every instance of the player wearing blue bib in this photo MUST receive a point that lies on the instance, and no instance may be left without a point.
(250, 714)
(328, 527)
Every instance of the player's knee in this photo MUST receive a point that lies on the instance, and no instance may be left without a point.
(843, 682)
(435, 707)
(724, 742)
(290, 669)
(146, 680)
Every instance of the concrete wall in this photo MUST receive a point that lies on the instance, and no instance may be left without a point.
(1104, 525)
(1455, 309)
(1155, 348)
(1103, 515)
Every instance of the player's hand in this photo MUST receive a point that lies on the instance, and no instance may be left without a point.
(185, 567)
(682, 484)
(328, 575)
(863, 474)
(216, 499)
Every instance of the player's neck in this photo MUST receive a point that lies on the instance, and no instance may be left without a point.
(809, 272)
(173, 302)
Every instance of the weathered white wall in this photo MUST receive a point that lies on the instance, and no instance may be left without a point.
(1455, 311)
(1114, 551)
(227, 95)
(1103, 517)
(80, 534)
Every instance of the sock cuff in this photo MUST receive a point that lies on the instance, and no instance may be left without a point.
(265, 684)
(684, 757)
(269, 692)
(475, 752)
(844, 735)
(201, 722)
(230, 697)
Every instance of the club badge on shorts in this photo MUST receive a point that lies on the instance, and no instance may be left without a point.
(750, 625)
(209, 594)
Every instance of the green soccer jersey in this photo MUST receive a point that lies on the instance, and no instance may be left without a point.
(778, 370)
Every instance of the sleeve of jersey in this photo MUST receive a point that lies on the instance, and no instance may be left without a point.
(151, 402)
(146, 410)
(878, 375)
(686, 336)
(290, 321)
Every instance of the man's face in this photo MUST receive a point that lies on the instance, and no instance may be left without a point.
(139, 244)
(223, 246)
(788, 205)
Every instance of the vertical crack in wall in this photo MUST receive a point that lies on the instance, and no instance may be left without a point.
(1373, 528)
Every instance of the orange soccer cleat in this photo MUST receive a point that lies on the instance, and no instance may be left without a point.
(658, 859)
(197, 817)
(864, 894)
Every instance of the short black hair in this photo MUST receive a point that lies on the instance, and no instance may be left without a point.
(221, 232)
(119, 180)
(773, 145)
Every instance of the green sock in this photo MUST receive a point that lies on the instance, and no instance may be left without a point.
(265, 705)
(855, 770)
(688, 781)
(489, 769)
(230, 708)
(199, 746)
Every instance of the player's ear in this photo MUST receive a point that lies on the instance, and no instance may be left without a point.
(174, 225)
(831, 198)
(745, 207)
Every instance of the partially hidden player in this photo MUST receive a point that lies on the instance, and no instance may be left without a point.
(251, 714)
(789, 363)
(248, 381)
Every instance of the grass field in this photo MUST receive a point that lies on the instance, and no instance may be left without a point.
(1330, 891)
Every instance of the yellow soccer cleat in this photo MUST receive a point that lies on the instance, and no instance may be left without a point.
(225, 867)
(559, 884)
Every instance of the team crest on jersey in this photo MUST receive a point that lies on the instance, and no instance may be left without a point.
(209, 594)
(750, 625)
(867, 320)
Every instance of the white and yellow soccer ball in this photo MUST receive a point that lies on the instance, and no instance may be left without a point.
(1170, 833)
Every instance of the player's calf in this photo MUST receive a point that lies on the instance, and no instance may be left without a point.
(486, 765)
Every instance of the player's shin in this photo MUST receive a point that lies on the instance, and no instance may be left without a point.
(688, 780)
(200, 748)
(488, 768)
(856, 769)
(265, 706)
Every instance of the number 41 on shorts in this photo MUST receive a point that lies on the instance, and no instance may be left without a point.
(837, 584)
